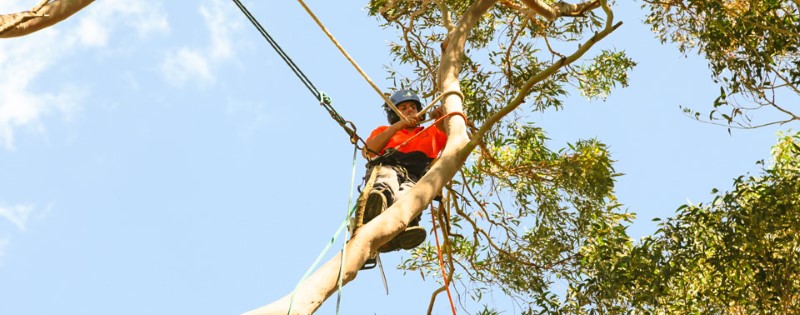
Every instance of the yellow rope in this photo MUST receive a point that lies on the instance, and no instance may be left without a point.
(361, 203)
(353, 62)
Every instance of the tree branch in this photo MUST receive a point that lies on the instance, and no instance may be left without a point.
(447, 21)
(526, 11)
(10, 21)
(43, 15)
(552, 12)
(433, 298)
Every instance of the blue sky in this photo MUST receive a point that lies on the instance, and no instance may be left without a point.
(160, 158)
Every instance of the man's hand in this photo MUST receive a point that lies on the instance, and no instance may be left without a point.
(438, 112)
(412, 122)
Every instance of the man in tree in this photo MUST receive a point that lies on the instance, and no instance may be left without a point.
(406, 151)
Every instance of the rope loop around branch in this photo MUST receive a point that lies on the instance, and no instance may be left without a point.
(441, 97)
(456, 92)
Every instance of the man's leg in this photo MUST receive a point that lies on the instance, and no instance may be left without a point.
(379, 198)
(414, 234)
(405, 185)
(383, 191)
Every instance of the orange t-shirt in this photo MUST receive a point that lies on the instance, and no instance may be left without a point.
(430, 142)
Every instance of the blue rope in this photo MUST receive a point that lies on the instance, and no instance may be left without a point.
(324, 251)
(344, 243)
(319, 258)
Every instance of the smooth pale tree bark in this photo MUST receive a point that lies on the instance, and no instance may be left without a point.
(43, 15)
(312, 292)
(552, 12)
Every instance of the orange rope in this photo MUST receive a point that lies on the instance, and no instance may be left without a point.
(441, 261)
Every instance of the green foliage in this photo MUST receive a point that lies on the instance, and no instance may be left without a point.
(738, 254)
(542, 225)
(523, 217)
(563, 222)
(751, 46)
(604, 72)
(503, 51)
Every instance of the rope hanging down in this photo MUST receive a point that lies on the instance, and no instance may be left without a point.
(324, 100)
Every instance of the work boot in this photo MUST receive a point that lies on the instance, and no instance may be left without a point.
(411, 237)
(376, 204)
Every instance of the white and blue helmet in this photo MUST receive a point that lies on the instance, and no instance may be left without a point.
(397, 98)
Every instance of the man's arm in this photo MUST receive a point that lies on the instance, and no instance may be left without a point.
(379, 141)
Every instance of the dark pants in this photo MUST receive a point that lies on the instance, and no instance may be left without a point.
(393, 182)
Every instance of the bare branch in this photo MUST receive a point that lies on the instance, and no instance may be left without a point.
(526, 11)
(448, 22)
(433, 298)
(45, 14)
(10, 21)
(788, 83)
(552, 12)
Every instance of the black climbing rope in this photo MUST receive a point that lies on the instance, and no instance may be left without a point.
(323, 99)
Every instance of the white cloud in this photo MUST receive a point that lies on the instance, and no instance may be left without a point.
(17, 215)
(197, 63)
(103, 17)
(92, 33)
(220, 27)
(23, 60)
(186, 64)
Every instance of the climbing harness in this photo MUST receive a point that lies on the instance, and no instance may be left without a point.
(323, 99)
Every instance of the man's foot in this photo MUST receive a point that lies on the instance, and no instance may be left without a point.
(376, 203)
(412, 237)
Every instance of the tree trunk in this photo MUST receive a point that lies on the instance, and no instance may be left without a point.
(323, 283)
(44, 15)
